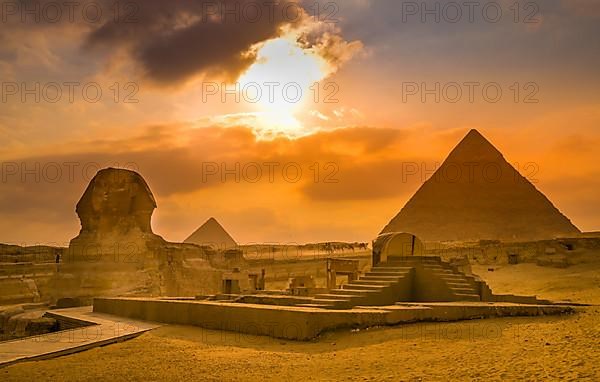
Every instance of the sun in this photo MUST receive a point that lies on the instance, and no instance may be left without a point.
(280, 83)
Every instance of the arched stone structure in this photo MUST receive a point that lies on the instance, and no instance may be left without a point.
(398, 244)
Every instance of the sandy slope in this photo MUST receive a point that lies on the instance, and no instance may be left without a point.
(578, 283)
(547, 348)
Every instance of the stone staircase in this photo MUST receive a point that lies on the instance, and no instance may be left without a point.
(413, 279)
(459, 286)
(382, 285)
(439, 281)
(403, 279)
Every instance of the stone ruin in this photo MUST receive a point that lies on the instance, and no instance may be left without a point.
(404, 285)
(402, 271)
(117, 253)
(115, 212)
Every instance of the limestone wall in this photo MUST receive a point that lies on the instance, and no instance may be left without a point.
(567, 251)
(18, 291)
(280, 322)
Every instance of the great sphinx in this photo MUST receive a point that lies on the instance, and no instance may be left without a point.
(115, 213)
(116, 251)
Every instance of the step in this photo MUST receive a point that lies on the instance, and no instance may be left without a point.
(456, 281)
(463, 290)
(459, 285)
(389, 268)
(446, 274)
(354, 292)
(382, 278)
(453, 277)
(406, 264)
(336, 296)
(321, 306)
(392, 274)
(326, 301)
(445, 271)
(388, 264)
(335, 304)
(472, 280)
(381, 283)
(467, 296)
(374, 288)
(442, 271)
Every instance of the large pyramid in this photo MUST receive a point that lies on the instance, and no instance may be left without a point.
(476, 194)
(212, 234)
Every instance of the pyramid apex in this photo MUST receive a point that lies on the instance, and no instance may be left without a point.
(474, 147)
(474, 134)
(212, 222)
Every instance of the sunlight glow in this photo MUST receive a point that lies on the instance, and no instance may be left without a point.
(280, 82)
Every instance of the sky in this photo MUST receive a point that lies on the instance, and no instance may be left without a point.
(290, 122)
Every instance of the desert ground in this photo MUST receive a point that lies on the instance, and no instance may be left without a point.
(543, 348)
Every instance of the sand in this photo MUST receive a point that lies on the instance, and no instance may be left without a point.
(542, 348)
(578, 283)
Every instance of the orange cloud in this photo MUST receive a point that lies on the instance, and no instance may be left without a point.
(351, 181)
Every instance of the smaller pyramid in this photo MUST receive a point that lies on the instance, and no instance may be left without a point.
(212, 234)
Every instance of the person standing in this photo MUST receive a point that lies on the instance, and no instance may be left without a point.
(57, 262)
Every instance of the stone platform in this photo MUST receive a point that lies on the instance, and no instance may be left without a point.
(95, 329)
(414, 279)
(306, 323)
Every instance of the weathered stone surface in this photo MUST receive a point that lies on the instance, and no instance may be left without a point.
(42, 325)
(17, 291)
(70, 302)
(115, 213)
(6, 313)
(116, 199)
(16, 322)
(116, 252)
(12, 254)
(398, 244)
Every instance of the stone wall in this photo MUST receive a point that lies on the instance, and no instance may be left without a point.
(567, 251)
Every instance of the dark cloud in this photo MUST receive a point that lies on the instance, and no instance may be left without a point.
(583, 8)
(175, 40)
